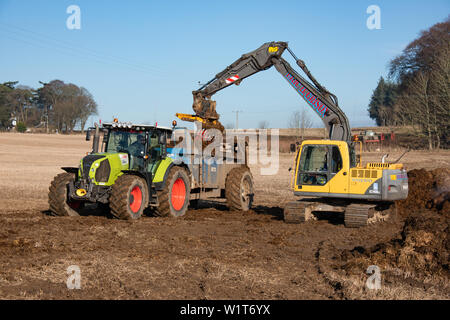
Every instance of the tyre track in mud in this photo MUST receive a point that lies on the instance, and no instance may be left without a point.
(324, 272)
(211, 253)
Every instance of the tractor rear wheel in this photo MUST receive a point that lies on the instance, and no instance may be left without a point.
(239, 189)
(174, 197)
(129, 197)
(57, 196)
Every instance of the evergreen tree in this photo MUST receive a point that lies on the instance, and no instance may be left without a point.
(377, 100)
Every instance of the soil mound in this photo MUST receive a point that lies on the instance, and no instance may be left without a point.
(427, 190)
(423, 245)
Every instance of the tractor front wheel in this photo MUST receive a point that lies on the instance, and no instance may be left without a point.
(58, 201)
(129, 197)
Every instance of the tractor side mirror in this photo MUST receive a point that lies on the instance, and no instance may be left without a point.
(162, 140)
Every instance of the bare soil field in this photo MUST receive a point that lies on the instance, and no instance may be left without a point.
(211, 252)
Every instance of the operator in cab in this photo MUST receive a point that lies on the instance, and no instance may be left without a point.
(137, 148)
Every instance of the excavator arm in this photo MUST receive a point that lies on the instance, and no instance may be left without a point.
(324, 103)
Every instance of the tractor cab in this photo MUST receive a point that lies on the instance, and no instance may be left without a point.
(144, 145)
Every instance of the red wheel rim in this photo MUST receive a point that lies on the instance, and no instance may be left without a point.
(178, 194)
(135, 199)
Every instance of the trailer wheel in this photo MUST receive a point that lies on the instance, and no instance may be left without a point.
(57, 197)
(129, 197)
(239, 189)
(174, 197)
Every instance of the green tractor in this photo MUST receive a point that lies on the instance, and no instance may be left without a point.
(136, 168)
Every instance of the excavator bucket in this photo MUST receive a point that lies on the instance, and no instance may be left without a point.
(205, 112)
(205, 108)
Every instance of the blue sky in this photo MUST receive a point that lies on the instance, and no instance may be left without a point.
(142, 59)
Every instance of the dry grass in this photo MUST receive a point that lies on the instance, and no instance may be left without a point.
(28, 164)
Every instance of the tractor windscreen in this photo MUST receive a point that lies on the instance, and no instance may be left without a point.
(132, 142)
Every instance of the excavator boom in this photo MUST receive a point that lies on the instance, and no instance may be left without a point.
(323, 102)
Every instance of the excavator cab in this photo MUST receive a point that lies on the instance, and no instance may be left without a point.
(322, 167)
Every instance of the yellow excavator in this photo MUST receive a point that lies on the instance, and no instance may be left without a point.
(327, 175)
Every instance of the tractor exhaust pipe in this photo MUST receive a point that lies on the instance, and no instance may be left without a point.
(95, 143)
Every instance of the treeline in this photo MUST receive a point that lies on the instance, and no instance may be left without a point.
(417, 91)
(54, 105)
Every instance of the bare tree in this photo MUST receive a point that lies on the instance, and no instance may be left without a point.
(87, 106)
(305, 122)
(416, 102)
(68, 103)
(264, 124)
(50, 95)
(294, 120)
(424, 102)
(439, 85)
(422, 71)
(301, 121)
(20, 99)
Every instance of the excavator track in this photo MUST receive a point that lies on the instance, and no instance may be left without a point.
(357, 215)
(297, 211)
